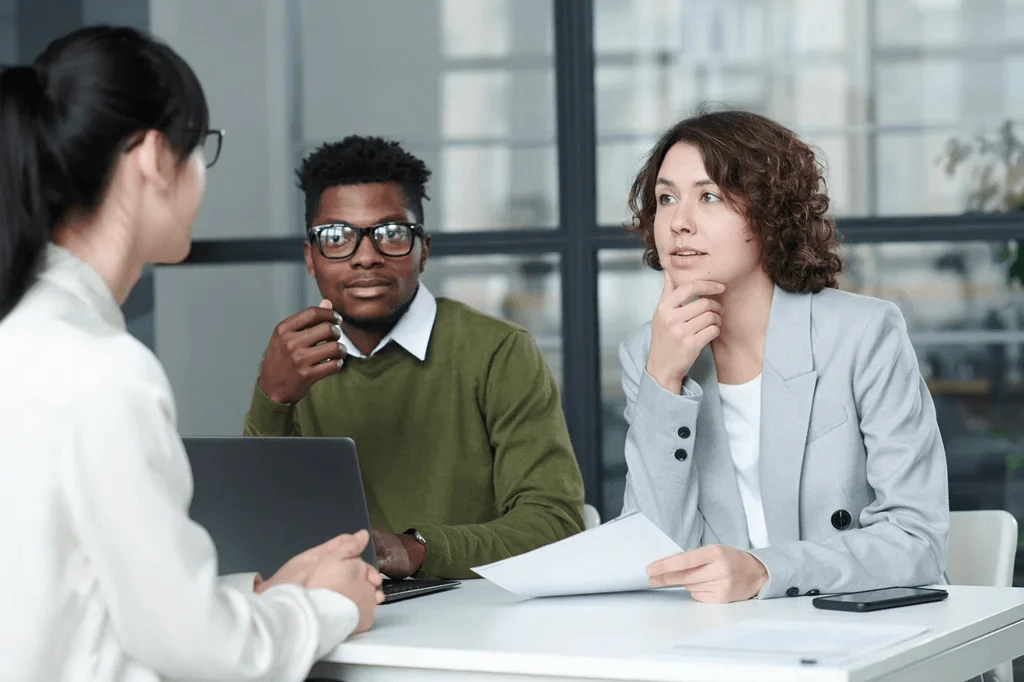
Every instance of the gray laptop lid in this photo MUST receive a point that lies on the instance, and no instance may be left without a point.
(264, 500)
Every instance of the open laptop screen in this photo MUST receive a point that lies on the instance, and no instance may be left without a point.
(264, 500)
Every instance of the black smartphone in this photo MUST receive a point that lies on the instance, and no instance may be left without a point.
(876, 600)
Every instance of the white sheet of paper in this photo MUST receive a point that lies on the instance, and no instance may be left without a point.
(610, 558)
(812, 642)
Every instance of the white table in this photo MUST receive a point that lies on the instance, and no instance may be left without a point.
(479, 632)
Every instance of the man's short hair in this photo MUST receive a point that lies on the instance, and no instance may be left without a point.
(357, 160)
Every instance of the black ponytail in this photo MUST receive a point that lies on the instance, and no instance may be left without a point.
(24, 223)
(63, 124)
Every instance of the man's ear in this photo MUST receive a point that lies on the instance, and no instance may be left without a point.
(424, 252)
(307, 253)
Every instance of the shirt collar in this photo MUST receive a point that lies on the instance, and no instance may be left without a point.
(60, 266)
(412, 332)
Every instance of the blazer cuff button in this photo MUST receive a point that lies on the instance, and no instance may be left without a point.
(841, 519)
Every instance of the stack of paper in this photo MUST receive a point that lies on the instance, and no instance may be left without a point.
(610, 558)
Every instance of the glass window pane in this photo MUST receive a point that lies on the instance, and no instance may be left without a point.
(469, 85)
(212, 325)
(817, 24)
(919, 92)
(487, 28)
(483, 96)
(637, 98)
(819, 97)
(913, 23)
(618, 27)
(619, 165)
(658, 61)
(1013, 72)
(910, 178)
(895, 89)
(1014, 19)
(967, 325)
(498, 187)
(241, 52)
(627, 295)
(483, 104)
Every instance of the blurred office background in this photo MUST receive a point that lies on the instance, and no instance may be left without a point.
(534, 114)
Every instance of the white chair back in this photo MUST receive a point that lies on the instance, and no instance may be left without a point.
(982, 548)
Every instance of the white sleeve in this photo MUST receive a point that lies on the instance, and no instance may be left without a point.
(243, 582)
(129, 487)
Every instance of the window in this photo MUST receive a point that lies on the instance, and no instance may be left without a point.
(467, 85)
(882, 88)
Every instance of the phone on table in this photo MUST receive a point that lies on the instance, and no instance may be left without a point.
(876, 600)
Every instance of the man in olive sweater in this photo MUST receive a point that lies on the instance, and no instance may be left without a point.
(462, 443)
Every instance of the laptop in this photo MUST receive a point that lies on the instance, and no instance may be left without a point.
(264, 500)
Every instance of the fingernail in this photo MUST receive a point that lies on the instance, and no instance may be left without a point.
(337, 329)
(337, 316)
(341, 363)
(341, 345)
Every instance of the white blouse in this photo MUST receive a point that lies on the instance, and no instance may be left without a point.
(103, 577)
(741, 412)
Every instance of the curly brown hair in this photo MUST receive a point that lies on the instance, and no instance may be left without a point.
(771, 176)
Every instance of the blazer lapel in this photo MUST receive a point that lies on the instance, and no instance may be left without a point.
(788, 379)
(720, 501)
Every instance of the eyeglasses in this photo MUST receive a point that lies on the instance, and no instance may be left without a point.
(339, 240)
(212, 141)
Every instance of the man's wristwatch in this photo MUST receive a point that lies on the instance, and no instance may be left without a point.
(418, 537)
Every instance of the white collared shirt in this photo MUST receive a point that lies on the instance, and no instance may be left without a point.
(412, 332)
(105, 578)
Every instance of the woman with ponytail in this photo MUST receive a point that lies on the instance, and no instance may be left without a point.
(104, 145)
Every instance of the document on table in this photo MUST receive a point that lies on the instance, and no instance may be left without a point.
(807, 642)
(609, 558)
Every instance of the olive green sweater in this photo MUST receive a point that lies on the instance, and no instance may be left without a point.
(469, 447)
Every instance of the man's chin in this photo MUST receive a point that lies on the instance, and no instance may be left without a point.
(371, 320)
(374, 317)
(370, 324)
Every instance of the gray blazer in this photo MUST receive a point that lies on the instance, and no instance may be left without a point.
(852, 468)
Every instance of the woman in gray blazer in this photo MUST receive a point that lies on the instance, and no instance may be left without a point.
(779, 429)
